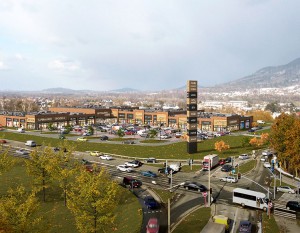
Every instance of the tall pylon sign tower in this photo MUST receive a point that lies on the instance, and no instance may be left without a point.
(191, 101)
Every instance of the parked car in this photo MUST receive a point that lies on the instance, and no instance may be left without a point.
(129, 132)
(194, 186)
(245, 226)
(103, 137)
(82, 139)
(151, 160)
(151, 203)
(2, 141)
(229, 179)
(132, 182)
(165, 136)
(106, 157)
(95, 153)
(267, 165)
(22, 152)
(152, 226)
(226, 168)
(251, 130)
(128, 142)
(285, 189)
(293, 205)
(86, 134)
(30, 143)
(264, 158)
(178, 135)
(21, 130)
(124, 168)
(267, 153)
(148, 174)
(244, 156)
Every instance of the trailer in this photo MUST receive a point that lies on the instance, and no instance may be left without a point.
(210, 161)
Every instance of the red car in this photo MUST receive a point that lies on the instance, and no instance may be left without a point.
(2, 141)
(222, 162)
(129, 132)
(152, 226)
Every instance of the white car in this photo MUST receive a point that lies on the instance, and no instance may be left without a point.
(229, 179)
(124, 168)
(106, 157)
(267, 165)
(267, 153)
(22, 152)
(285, 189)
(165, 136)
(263, 158)
(131, 164)
(243, 156)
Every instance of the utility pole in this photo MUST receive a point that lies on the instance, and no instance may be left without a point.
(169, 216)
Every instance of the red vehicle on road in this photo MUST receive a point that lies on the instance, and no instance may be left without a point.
(222, 162)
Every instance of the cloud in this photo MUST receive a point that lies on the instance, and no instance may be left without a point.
(3, 66)
(63, 65)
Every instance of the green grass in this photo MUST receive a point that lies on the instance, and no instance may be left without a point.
(121, 139)
(187, 168)
(169, 151)
(164, 195)
(194, 222)
(248, 166)
(57, 217)
(269, 225)
(153, 141)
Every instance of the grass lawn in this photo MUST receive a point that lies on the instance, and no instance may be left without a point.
(195, 168)
(57, 217)
(153, 141)
(169, 151)
(243, 168)
(269, 225)
(164, 195)
(194, 222)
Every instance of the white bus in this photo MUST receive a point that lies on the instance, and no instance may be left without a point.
(246, 197)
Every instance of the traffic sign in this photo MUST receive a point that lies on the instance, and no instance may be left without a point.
(204, 194)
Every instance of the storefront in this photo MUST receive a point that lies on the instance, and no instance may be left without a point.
(205, 126)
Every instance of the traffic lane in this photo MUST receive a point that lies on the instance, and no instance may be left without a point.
(189, 201)
(160, 212)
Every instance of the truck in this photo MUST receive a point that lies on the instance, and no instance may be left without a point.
(213, 227)
(210, 161)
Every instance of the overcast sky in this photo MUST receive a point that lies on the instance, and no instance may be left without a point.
(142, 44)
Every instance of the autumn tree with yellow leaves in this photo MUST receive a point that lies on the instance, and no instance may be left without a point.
(285, 140)
(221, 146)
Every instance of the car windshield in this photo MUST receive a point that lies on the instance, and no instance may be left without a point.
(152, 225)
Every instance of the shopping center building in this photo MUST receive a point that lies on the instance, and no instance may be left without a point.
(59, 116)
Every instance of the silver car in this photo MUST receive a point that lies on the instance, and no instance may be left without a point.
(285, 189)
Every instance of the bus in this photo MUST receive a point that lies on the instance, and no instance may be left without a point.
(246, 197)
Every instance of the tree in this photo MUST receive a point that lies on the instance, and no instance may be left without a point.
(120, 133)
(221, 146)
(152, 133)
(91, 129)
(63, 168)
(273, 107)
(92, 199)
(39, 166)
(279, 136)
(6, 162)
(18, 212)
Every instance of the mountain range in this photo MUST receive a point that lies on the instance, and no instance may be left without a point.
(268, 77)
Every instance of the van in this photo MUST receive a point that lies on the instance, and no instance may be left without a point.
(221, 219)
(30, 143)
(21, 130)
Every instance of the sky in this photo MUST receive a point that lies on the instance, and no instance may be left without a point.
(142, 44)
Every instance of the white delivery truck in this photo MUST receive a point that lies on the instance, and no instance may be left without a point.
(210, 161)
